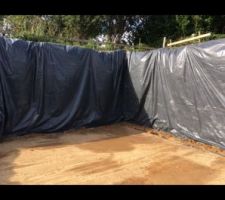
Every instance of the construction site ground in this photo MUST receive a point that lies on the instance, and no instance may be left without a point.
(114, 154)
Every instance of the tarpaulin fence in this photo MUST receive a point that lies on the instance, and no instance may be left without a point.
(48, 87)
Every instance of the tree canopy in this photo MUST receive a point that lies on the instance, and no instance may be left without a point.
(130, 29)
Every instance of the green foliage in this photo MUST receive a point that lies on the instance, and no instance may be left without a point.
(81, 26)
(154, 28)
(184, 24)
(77, 26)
(115, 25)
(145, 31)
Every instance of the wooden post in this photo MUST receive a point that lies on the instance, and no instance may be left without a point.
(164, 42)
(139, 44)
(199, 33)
(170, 41)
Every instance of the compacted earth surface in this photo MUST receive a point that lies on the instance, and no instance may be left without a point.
(114, 154)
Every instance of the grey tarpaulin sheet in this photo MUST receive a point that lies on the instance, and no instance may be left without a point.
(48, 87)
(181, 90)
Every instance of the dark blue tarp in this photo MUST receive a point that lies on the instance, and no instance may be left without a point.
(48, 87)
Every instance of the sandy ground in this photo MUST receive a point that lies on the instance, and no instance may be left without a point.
(113, 154)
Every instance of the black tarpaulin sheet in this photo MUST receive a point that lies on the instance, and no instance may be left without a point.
(48, 87)
(181, 90)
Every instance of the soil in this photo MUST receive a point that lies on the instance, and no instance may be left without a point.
(114, 154)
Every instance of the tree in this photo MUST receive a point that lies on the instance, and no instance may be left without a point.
(26, 24)
(82, 26)
(218, 24)
(154, 27)
(116, 26)
(184, 24)
(69, 26)
(147, 29)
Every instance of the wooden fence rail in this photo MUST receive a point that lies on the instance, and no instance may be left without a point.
(189, 39)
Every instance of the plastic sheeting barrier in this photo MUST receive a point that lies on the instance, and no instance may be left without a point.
(181, 90)
(48, 87)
